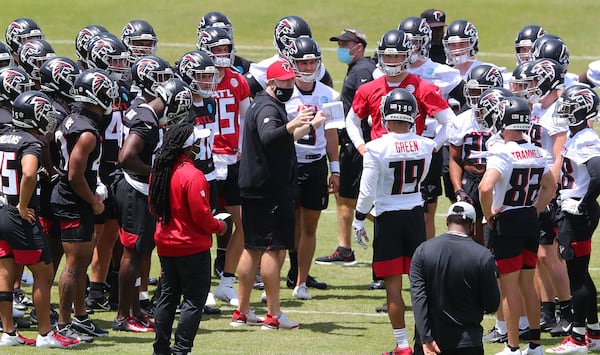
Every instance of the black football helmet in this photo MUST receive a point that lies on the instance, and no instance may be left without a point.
(6, 57)
(543, 76)
(480, 78)
(524, 41)
(82, 40)
(107, 52)
(177, 97)
(34, 109)
(397, 43)
(57, 75)
(13, 82)
(514, 114)
(486, 109)
(216, 36)
(20, 31)
(140, 38)
(305, 48)
(519, 84)
(286, 30)
(32, 54)
(198, 70)
(551, 48)
(149, 72)
(577, 104)
(214, 19)
(398, 105)
(96, 87)
(459, 32)
(420, 36)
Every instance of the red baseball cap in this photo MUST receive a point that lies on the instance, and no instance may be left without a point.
(280, 70)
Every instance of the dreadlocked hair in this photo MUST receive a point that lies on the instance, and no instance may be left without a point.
(159, 201)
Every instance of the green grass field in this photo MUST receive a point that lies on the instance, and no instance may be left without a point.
(340, 319)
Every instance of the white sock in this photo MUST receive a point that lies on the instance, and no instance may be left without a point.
(523, 322)
(401, 338)
(144, 295)
(501, 326)
(594, 326)
(579, 330)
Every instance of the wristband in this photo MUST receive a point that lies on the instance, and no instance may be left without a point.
(334, 167)
(360, 216)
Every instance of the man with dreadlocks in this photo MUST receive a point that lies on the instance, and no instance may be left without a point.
(179, 197)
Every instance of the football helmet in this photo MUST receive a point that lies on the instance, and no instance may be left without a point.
(577, 104)
(21, 30)
(460, 42)
(6, 57)
(140, 38)
(96, 87)
(525, 38)
(177, 97)
(305, 48)
(107, 52)
(214, 19)
(486, 109)
(13, 82)
(543, 76)
(32, 54)
(552, 48)
(396, 43)
(214, 37)
(286, 30)
(518, 81)
(82, 40)
(149, 72)
(398, 105)
(57, 75)
(480, 78)
(198, 70)
(514, 114)
(34, 109)
(420, 36)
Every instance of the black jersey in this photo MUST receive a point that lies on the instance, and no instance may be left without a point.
(14, 145)
(242, 65)
(111, 133)
(203, 115)
(5, 120)
(67, 135)
(143, 122)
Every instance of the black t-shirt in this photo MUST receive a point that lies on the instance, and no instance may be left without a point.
(142, 121)
(5, 120)
(242, 65)
(203, 115)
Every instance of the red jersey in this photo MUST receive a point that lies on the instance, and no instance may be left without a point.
(230, 92)
(192, 224)
(367, 101)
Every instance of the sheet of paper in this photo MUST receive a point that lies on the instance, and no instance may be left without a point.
(335, 112)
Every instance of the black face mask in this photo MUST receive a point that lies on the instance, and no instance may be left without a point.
(283, 94)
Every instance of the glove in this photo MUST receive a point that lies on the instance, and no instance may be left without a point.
(3, 200)
(570, 206)
(101, 190)
(463, 196)
(360, 234)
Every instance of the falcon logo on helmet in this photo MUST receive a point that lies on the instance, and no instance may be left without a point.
(437, 15)
(100, 81)
(205, 37)
(146, 65)
(584, 97)
(424, 26)
(544, 68)
(84, 37)
(28, 49)
(187, 61)
(13, 30)
(494, 76)
(63, 70)
(184, 98)
(291, 49)
(41, 108)
(100, 49)
(128, 30)
(12, 79)
(470, 30)
(406, 42)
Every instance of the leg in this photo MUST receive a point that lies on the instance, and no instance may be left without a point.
(128, 272)
(345, 214)
(308, 222)
(430, 208)
(246, 273)
(106, 236)
(235, 244)
(43, 275)
(531, 300)
(8, 272)
(71, 286)
(166, 305)
(270, 269)
(511, 305)
(396, 308)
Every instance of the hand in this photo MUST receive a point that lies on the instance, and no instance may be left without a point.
(224, 224)
(101, 191)
(319, 119)
(463, 196)
(28, 214)
(431, 348)
(361, 149)
(360, 234)
(334, 183)
(98, 206)
(570, 206)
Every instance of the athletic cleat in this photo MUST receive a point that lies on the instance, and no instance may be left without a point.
(494, 336)
(547, 322)
(283, 322)
(563, 328)
(258, 283)
(382, 309)
(530, 351)
(68, 332)
(54, 340)
(17, 313)
(377, 285)
(210, 300)
(97, 303)
(241, 319)
(130, 324)
(87, 326)
(507, 351)
(53, 317)
(20, 301)
(311, 282)
(399, 351)
(145, 320)
(152, 281)
(263, 297)
(219, 266)
(592, 343)
(210, 310)
(569, 346)
(301, 292)
(26, 278)
(15, 340)
(337, 258)
(226, 293)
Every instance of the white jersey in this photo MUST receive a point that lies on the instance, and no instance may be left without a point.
(593, 73)
(521, 166)
(543, 129)
(465, 132)
(259, 70)
(312, 146)
(578, 149)
(394, 166)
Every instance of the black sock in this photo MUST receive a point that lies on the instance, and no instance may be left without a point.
(226, 274)
(513, 348)
(82, 318)
(533, 345)
(566, 311)
(593, 332)
(548, 309)
(578, 337)
(293, 263)
(96, 289)
(12, 334)
(535, 334)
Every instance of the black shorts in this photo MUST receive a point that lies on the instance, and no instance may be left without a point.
(514, 239)
(470, 183)
(268, 223)
(431, 187)
(448, 188)
(576, 231)
(397, 234)
(136, 224)
(312, 185)
(23, 240)
(351, 164)
(548, 227)
(77, 224)
(107, 173)
(229, 189)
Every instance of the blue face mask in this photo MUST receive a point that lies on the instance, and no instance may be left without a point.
(200, 155)
(344, 56)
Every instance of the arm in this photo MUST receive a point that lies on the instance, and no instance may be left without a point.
(76, 175)
(29, 167)
(198, 197)
(490, 294)
(455, 167)
(444, 117)
(486, 188)
(593, 168)
(558, 143)
(243, 108)
(129, 158)
(354, 131)
(334, 159)
(547, 191)
(368, 183)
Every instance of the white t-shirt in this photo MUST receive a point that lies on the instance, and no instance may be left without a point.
(579, 148)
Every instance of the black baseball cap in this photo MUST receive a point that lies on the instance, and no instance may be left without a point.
(351, 34)
(434, 18)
